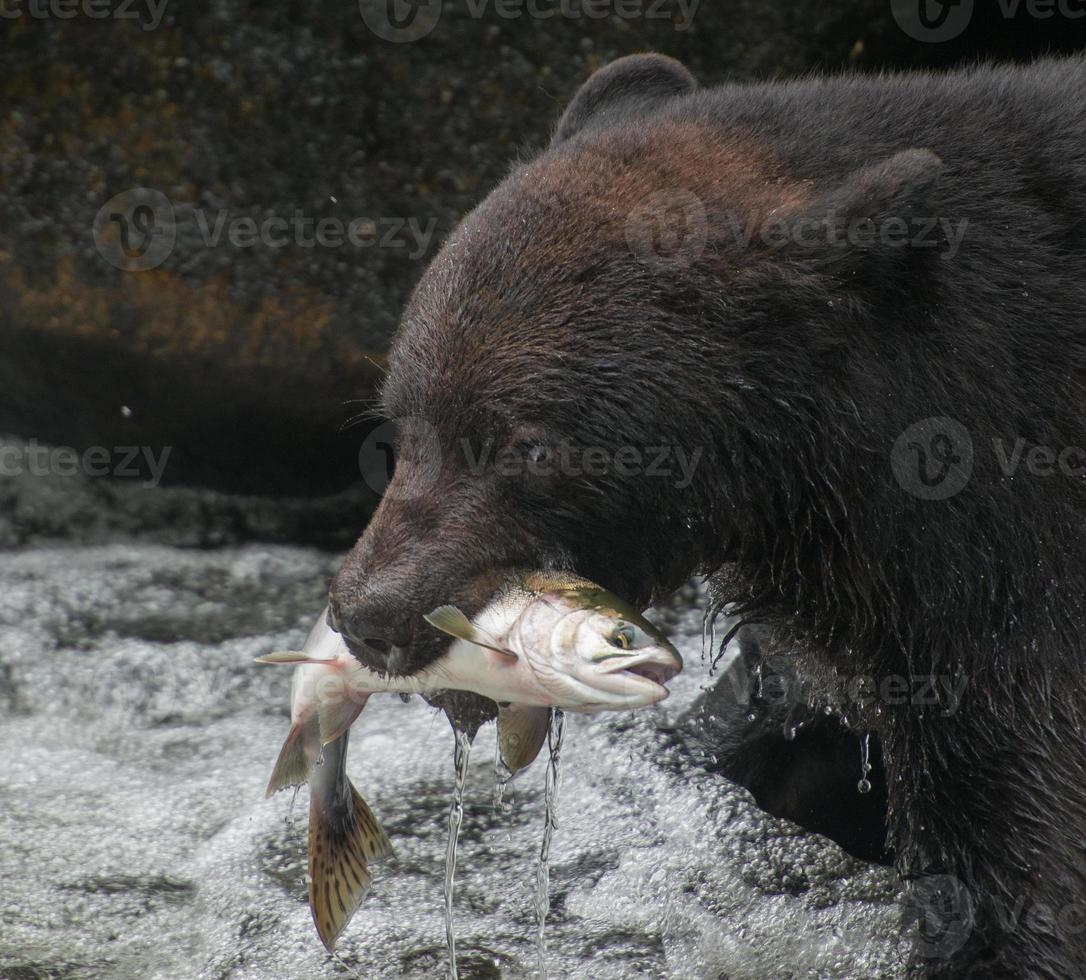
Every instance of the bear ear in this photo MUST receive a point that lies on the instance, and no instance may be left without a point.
(859, 212)
(893, 188)
(626, 88)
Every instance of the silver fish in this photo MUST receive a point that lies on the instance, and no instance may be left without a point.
(545, 640)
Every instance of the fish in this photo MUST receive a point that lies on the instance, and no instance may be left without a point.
(545, 640)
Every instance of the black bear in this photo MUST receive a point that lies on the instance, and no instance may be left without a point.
(824, 341)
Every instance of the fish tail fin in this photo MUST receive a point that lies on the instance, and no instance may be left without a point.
(293, 765)
(339, 854)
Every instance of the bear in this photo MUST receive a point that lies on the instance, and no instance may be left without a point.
(821, 342)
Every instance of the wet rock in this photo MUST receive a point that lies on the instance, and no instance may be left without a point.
(138, 306)
(37, 508)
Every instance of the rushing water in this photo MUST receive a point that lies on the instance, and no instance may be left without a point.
(136, 842)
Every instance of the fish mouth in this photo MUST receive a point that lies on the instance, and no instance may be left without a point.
(657, 673)
(653, 668)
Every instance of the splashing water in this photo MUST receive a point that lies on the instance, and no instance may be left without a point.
(503, 776)
(864, 785)
(461, 752)
(542, 873)
(172, 863)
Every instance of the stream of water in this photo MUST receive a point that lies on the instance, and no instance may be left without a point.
(550, 810)
(461, 756)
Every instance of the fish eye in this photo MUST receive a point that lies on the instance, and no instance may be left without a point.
(622, 637)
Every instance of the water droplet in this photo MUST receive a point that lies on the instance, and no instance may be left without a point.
(542, 875)
(456, 817)
(503, 775)
(864, 785)
(290, 812)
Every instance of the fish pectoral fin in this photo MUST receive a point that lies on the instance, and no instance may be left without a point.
(293, 765)
(451, 620)
(289, 657)
(339, 854)
(336, 715)
(522, 730)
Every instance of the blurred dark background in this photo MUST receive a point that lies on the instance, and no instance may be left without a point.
(247, 359)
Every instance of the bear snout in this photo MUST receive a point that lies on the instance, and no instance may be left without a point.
(378, 632)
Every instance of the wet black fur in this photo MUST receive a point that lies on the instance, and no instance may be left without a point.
(794, 371)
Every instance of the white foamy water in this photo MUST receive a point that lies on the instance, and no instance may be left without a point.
(136, 842)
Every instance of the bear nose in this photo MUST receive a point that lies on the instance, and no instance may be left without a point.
(361, 631)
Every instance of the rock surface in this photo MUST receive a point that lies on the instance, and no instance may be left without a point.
(243, 355)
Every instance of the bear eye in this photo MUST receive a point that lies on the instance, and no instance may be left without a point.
(622, 637)
(535, 452)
